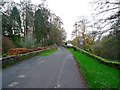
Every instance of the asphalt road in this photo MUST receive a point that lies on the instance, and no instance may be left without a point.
(58, 70)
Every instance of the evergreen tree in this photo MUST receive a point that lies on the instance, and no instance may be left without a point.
(15, 21)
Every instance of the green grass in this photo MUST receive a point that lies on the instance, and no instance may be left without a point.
(97, 75)
(48, 52)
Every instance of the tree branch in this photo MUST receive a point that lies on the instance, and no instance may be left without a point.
(112, 2)
(107, 10)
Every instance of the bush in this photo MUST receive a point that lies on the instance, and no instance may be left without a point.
(17, 51)
(28, 41)
(107, 48)
(16, 40)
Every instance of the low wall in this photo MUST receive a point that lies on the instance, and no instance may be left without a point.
(100, 59)
(6, 61)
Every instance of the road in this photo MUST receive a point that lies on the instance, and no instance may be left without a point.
(58, 70)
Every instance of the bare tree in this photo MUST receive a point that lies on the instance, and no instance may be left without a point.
(107, 12)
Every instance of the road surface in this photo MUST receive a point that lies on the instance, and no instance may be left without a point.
(58, 70)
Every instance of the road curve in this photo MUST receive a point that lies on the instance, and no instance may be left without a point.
(58, 70)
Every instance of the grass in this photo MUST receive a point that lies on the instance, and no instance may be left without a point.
(48, 52)
(97, 75)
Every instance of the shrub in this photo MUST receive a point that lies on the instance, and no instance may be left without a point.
(17, 51)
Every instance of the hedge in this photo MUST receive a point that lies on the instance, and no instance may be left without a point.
(100, 59)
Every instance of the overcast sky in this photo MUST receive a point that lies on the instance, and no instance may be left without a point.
(68, 10)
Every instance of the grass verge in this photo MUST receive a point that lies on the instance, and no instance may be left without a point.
(48, 52)
(97, 74)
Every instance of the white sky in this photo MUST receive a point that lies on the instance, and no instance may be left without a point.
(68, 10)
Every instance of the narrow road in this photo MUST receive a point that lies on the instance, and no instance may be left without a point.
(58, 70)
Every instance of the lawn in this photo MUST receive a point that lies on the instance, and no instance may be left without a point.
(48, 52)
(96, 74)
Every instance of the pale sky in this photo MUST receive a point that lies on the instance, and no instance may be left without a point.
(68, 10)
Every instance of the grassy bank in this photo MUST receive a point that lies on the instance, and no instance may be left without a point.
(97, 75)
(48, 52)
